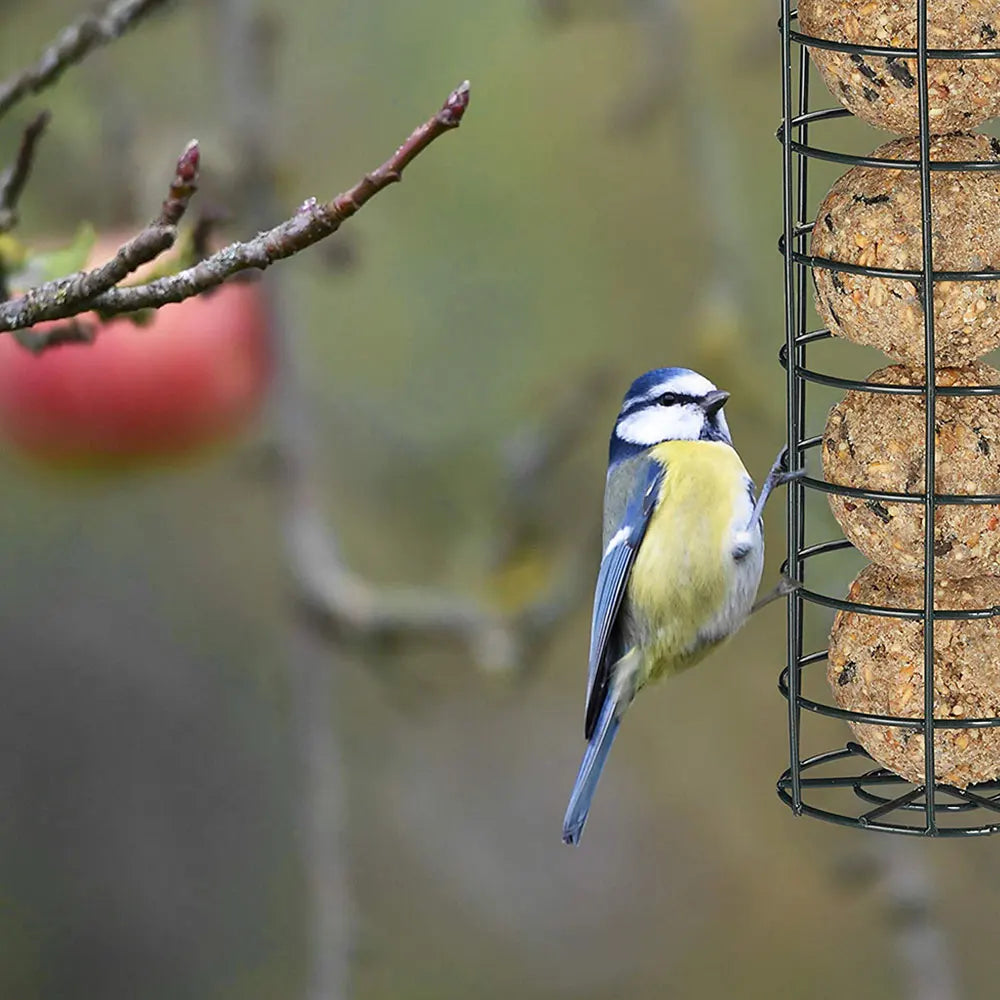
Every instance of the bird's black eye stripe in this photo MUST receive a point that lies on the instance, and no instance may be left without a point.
(675, 399)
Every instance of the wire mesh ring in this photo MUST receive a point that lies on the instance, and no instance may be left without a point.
(878, 777)
(885, 496)
(915, 723)
(803, 148)
(862, 385)
(878, 610)
(892, 274)
(883, 51)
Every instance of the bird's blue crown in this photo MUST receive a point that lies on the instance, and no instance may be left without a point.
(668, 404)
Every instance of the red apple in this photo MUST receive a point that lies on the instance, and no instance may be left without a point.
(195, 374)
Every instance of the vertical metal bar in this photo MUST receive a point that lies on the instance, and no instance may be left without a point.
(803, 274)
(931, 403)
(794, 499)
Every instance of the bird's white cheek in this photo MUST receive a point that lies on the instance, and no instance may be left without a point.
(654, 424)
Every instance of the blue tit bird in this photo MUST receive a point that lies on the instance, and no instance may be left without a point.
(683, 553)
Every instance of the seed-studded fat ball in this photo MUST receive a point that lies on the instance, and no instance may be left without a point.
(876, 666)
(884, 90)
(875, 441)
(872, 217)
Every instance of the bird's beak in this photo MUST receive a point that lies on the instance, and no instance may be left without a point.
(714, 401)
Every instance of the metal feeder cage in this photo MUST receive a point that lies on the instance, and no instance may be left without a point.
(845, 785)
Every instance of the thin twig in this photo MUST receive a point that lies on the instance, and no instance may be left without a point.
(41, 302)
(182, 187)
(72, 45)
(313, 221)
(16, 176)
(147, 245)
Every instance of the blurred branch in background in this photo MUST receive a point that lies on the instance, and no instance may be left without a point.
(247, 42)
(925, 966)
(12, 184)
(897, 868)
(16, 176)
(74, 43)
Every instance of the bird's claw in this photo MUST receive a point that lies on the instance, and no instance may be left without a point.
(789, 476)
(778, 475)
(782, 474)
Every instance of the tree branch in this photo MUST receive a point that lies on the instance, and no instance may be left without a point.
(83, 286)
(349, 605)
(72, 45)
(74, 294)
(16, 176)
(182, 187)
(313, 221)
(345, 602)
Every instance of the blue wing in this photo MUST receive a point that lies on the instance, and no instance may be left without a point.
(612, 580)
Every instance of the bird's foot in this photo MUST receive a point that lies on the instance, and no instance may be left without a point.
(779, 475)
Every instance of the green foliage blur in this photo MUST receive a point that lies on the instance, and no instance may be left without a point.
(612, 203)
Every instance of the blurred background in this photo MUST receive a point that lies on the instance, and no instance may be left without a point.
(611, 203)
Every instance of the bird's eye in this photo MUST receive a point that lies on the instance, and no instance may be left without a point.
(668, 399)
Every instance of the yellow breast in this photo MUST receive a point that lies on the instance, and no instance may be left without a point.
(683, 569)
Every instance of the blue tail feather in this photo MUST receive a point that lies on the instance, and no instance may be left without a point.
(593, 763)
